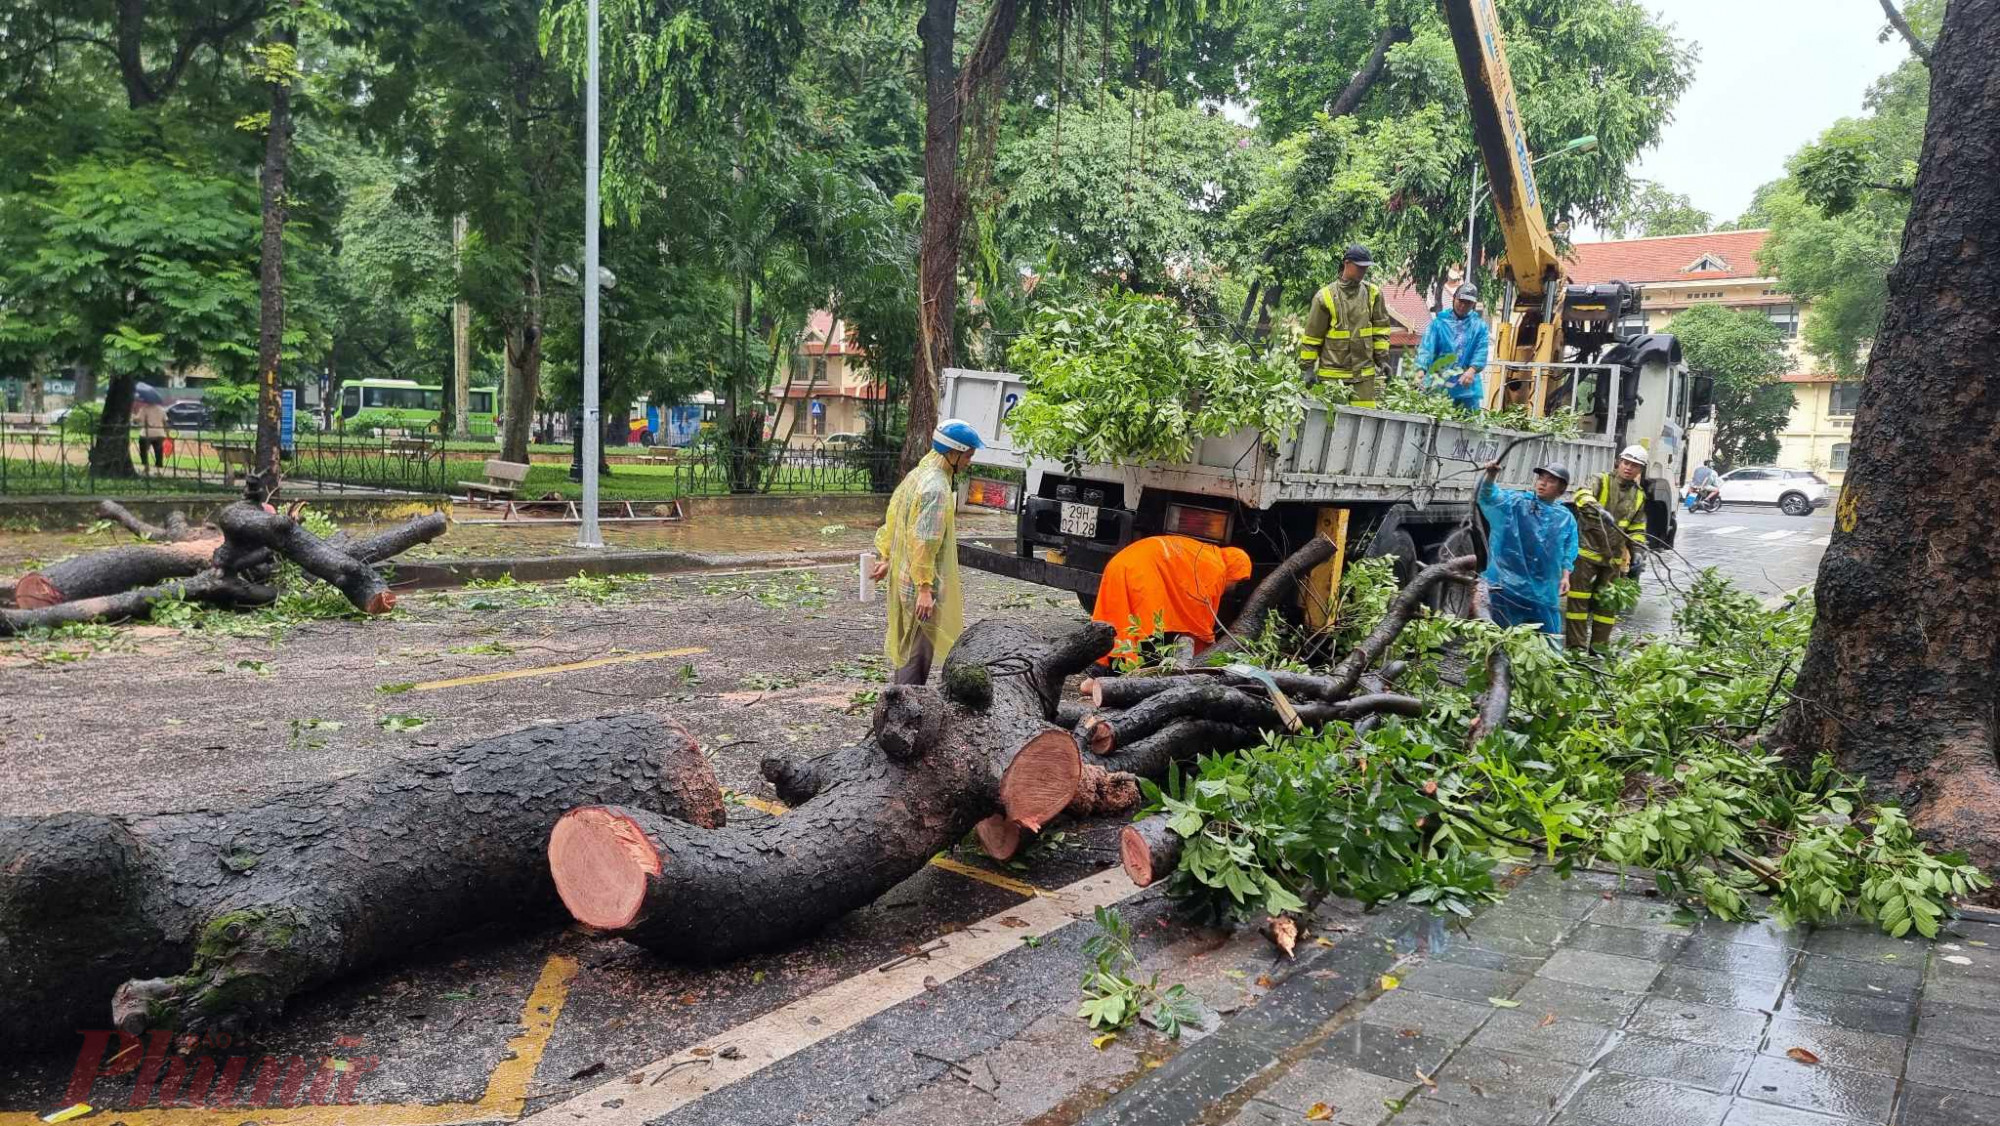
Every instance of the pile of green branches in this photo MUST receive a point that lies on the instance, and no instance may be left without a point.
(1127, 378)
(1645, 758)
(1408, 398)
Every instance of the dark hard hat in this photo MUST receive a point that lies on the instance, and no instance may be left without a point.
(1358, 254)
(1557, 470)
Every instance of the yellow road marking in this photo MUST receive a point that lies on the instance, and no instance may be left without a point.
(684, 1077)
(507, 1088)
(971, 871)
(505, 1098)
(775, 809)
(551, 670)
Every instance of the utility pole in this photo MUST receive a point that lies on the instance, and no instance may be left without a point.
(461, 342)
(593, 426)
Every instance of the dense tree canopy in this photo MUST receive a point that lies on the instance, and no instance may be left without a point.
(1744, 353)
(1651, 211)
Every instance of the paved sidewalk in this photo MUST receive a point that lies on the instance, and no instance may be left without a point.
(1579, 1003)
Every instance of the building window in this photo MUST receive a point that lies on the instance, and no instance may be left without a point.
(1631, 325)
(1786, 317)
(1838, 461)
(1842, 398)
(1706, 263)
(819, 369)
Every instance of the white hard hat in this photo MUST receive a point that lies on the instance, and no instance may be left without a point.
(1634, 453)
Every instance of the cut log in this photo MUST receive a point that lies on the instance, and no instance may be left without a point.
(1492, 713)
(98, 573)
(391, 542)
(246, 526)
(1149, 850)
(252, 905)
(876, 816)
(211, 588)
(999, 837)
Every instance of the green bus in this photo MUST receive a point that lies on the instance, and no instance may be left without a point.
(420, 403)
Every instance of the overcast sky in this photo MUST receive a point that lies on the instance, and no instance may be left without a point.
(1772, 75)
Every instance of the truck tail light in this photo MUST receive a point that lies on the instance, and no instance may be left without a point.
(988, 493)
(1200, 523)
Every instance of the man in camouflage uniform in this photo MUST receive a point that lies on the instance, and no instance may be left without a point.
(1347, 331)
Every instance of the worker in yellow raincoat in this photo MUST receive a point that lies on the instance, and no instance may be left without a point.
(916, 550)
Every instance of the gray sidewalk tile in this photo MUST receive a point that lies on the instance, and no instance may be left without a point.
(1938, 1064)
(1538, 1032)
(1968, 1026)
(1356, 1095)
(1863, 941)
(1698, 1023)
(1676, 1061)
(1743, 1112)
(1828, 1090)
(1438, 1016)
(1867, 1012)
(1642, 914)
(1578, 1002)
(1710, 953)
(1606, 971)
(1900, 979)
(1724, 989)
(1462, 983)
(1848, 1048)
(1921, 1105)
(1655, 946)
(1763, 932)
(1383, 1051)
(1482, 956)
(1510, 1087)
(1631, 1101)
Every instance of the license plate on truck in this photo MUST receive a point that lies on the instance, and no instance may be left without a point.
(1079, 520)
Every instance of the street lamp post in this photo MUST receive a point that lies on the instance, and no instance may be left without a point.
(1585, 143)
(593, 425)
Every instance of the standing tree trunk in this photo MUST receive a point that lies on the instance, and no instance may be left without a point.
(1902, 678)
(111, 450)
(461, 344)
(280, 62)
(524, 327)
(948, 91)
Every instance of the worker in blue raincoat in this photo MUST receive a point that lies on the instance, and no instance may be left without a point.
(1531, 547)
(1458, 331)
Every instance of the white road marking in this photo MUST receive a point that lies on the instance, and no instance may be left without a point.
(1820, 542)
(1729, 531)
(1778, 535)
(677, 1080)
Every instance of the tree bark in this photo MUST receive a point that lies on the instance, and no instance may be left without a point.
(279, 62)
(213, 588)
(1902, 677)
(176, 528)
(938, 763)
(113, 570)
(247, 527)
(523, 330)
(111, 450)
(1274, 587)
(948, 91)
(1370, 72)
(260, 903)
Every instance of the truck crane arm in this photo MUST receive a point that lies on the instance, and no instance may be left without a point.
(1531, 263)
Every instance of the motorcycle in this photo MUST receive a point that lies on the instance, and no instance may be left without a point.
(1702, 500)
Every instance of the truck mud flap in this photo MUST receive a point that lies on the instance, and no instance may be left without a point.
(1028, 570)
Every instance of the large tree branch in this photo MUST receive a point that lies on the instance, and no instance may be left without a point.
(1918, 47)
(1370, 71)
(989, 53)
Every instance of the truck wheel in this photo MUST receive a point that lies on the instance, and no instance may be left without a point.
(1795, 504)
(1400, 544)
(1087, 601)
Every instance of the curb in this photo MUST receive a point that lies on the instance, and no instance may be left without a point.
(430, 574)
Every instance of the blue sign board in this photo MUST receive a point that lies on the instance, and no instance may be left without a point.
(287, 417)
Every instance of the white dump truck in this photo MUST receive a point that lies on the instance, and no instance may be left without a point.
(1386, 482)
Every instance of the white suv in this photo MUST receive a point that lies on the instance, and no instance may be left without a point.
(1796, 492)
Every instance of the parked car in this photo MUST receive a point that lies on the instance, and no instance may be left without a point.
(1796, 492)
(840, 445)
(188, 414)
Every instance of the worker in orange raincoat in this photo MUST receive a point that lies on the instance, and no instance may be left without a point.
(1174, 580)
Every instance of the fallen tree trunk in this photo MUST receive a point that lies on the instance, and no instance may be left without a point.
(176, 528)
(1275, 586)
(99, 573)
(246, 527)
(938, 763)
(210, 588)
(1149, 850)
(247, 907)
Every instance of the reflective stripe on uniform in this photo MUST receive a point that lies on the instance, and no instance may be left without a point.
(1577, 616)
(1580, 595)
(1381, 346)
(1338, 334)
(1586, 553)
(1308, 354)
(1372, 330)
(1311, 340)
(1337, 373)
(1606, 619)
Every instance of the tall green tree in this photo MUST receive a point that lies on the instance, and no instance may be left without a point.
(1744, 353)
(1652, 211)
(1837, 218)
(135, 267)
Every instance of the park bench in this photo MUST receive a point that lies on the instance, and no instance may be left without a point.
(503, 480)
